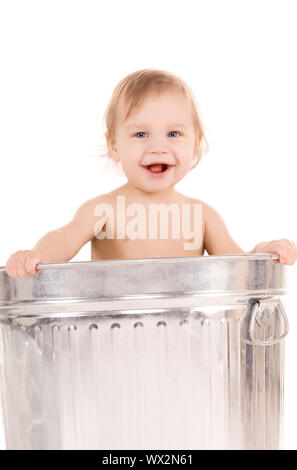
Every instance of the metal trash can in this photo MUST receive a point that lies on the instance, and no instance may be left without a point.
(160, 353)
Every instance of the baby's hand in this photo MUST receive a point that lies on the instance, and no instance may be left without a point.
(286, 249)
(23, 263)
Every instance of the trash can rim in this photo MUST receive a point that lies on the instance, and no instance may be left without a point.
(73, 264)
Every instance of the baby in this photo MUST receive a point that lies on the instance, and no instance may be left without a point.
(153, 130)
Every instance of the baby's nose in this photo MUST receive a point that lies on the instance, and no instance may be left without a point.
(158, 145)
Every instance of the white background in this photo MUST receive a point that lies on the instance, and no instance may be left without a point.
(60, 62)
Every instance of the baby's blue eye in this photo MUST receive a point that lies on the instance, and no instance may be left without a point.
(172, 132)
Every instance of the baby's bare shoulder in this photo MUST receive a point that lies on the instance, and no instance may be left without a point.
(193, 201)
(210, 214)
(90, 209)
(183, 198)
(91, 215)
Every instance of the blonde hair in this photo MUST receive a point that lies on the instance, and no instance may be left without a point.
(132, 91)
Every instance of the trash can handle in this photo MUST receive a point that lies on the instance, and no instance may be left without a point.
(267, 342)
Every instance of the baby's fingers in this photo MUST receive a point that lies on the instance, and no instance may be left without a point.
(292, 254)
(22, 263)
(31, 263)
(287, 251)
(10, 266)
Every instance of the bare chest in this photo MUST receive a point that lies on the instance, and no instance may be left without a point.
(151, 232)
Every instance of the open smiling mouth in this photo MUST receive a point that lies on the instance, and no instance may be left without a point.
(158, 169)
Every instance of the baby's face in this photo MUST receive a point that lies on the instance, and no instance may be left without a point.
(161, 132)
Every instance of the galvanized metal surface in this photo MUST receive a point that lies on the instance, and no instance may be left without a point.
(165, 353)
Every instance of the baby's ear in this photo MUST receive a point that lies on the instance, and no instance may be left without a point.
(112, 150)
(195, 161)
(197, 153)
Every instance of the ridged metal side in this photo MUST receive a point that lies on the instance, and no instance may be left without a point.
(175, 379)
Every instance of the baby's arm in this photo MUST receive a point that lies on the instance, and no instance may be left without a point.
(218, 241)
(62, 244)
(58, 245)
